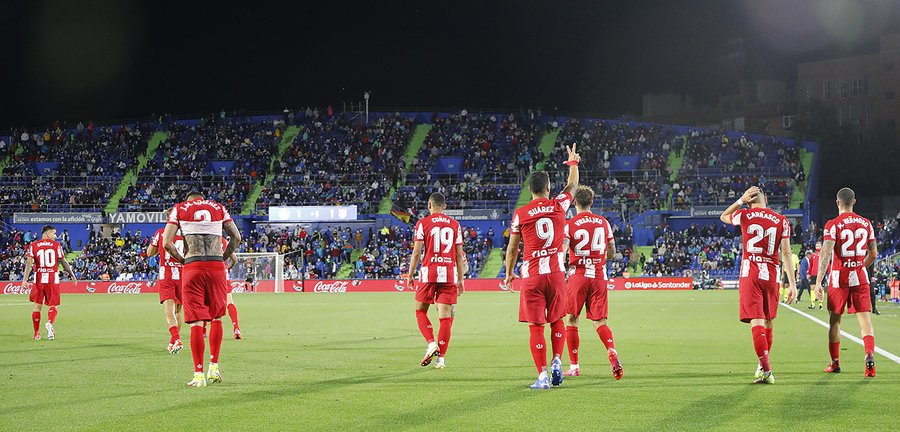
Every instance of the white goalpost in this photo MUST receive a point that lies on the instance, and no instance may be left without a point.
(256, 268)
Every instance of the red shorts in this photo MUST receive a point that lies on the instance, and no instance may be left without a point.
(854, 299)
(542, 298)
(203, 290)
(589, 293)
(169, 290)
(431, 293)
(46, 293)
(759, 299)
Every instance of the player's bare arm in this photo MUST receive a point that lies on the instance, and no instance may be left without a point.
(824, 263)
(230, 262)
(461, 268)
(414, 260)
(871, 254)
(68, 268)
(29, 263)
(169, 243)
(611, 250)
(512, 255)
(748, 197)
(152, 251)
(787, 259)
(234, 235)
(574, 158)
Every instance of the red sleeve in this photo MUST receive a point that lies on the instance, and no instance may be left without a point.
(737, 216)
(31, 250)
(514, 227)
(59, 251)
(564, 200)
(566, 234)
(155, 240)
(609, 232)
(459, 237)
(419, 233)
(226, 217)
(173, 216)
(830, 233)
(786, 229)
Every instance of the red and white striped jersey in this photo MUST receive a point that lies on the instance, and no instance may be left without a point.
(199, 216)
(588, 235)
(169, 269)
(46, 254)
(851, 234)
(761, 233)
(440, 234)
(541, 223)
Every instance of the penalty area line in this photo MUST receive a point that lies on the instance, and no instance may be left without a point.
(878, 350)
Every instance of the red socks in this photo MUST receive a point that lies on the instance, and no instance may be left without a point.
(232, 313)
(444, 335)
(538, 347)
(215, 340)
(557, 338)
(36, 320)
(834, 348)
(769, 337)
(869, 344)
(606, 337)
(425, 325)
(197, 347)
(572, 340)
(173, 330)
(761, 345)
(51, 314)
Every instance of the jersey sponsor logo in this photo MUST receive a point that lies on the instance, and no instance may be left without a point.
(332, 287)
(14, 288)
(124, 288)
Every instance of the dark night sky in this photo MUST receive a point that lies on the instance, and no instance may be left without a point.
(114, 60)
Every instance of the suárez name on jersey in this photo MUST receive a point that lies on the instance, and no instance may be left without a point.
(764, 215)
(580, 222)
(190, 204)
(541, 209)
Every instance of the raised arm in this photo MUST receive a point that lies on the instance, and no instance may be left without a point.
(512, 255)
(572, 162)
(787, 259)
(748, 197)
(235, 239)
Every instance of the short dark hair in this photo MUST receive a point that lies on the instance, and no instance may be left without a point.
(846, 196)
(47, 228)
(760, 197)
(584, 197)
(193, 194)
(539, 182)
(438, 199)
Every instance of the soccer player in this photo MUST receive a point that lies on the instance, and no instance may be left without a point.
(589, 239)
(540, 225)
(169, 282)
(442, 276)
(229, 299)
(813, 272)
(849, 278)
(44, 255)
(803, 281)
(203, 281)
(762, 232)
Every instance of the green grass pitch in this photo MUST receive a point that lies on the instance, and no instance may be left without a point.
(346, 362)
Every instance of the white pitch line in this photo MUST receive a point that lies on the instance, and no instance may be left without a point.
(883, 352)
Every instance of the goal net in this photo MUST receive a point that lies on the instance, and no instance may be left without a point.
(258, 271)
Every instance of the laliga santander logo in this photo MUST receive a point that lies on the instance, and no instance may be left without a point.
(128, 288)
(627, 285)
(333, 287)
(13, 288)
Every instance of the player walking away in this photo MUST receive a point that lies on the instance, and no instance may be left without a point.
(803, 282)
(762, 230)
(441, 278)
(849, 278)
(203, 281)
(229, 298)
(44, 255)
(589, 240)
(813, 272)
(540, 225)
(169, 282)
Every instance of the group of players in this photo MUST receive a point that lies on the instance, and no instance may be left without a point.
(193, 275)
(193, 278)
(552, 294)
